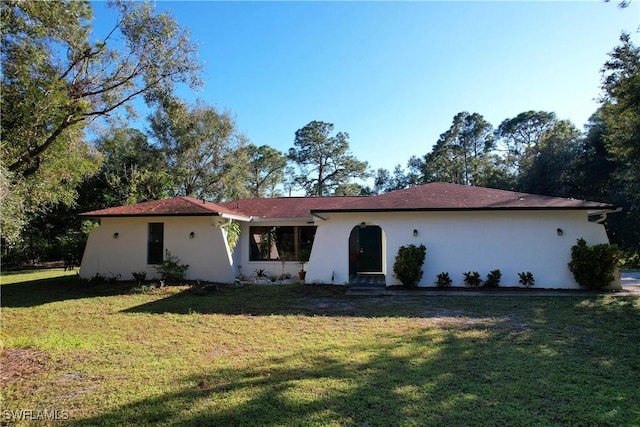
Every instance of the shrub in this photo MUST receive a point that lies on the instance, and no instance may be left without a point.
(493, 279)
(630, 259)
(114, 278)
(526, 279)
(143, 288)
(593, 266)
(444, 281)
(97, 279)
(170, 270)
(232, 232)
(472, 278)
(408, 265)
(139, 277)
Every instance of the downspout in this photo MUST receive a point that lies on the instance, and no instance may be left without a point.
(225, 224)
(603, 215)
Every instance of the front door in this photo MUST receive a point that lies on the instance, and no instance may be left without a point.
(365, 249)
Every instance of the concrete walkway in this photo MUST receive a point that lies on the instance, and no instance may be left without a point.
(631, 282)
(630, 287)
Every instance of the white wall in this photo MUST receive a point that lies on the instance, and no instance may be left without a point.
(457, 242)
(206, 254)
(330, 255)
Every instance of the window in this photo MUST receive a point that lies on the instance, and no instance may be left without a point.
(281, 243)
(155, 243)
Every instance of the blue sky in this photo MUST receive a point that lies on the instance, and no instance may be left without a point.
(393, 74)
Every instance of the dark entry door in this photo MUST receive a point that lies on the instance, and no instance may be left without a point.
(370, 250)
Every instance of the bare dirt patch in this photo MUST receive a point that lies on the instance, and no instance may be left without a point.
(78, 383)
(17, 364)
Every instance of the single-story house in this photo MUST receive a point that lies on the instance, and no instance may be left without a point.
(346, 238)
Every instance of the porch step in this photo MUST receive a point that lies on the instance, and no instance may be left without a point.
(367, 280)
(367, 284)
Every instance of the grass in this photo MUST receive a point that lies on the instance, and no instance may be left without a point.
(305, 355)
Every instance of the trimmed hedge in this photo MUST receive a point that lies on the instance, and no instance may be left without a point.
(593, 266)
(408, 265)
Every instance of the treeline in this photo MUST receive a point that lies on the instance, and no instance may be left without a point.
(58, 86)
(536, 152)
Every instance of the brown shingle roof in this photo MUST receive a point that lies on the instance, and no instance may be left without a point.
(433, 196)
(285, 207)
(444, 196)
(183, 206)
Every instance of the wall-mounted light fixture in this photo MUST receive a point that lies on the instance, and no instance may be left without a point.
(115, 235)
(363, 225)
(192, 235)
(415, 233)
(559, 231)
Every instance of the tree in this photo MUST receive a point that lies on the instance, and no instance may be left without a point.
(385, 181)
(22, 199)
(620, 112)
(381, 180)
(324, 161)
(266, 166)
(203, 150)
(519, 136)
(351, 189)
(462, 153)
(416, 174)
(621, 115)
(445, 161)
(476, 143)
(592, 171)
(551, 171)
(622, 3)
(56, 81)
(132, 170)
(289, 180)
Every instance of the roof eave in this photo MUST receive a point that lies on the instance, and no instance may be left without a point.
(294, 219)
(133, 215)
(235, 217)
(604, 210)
(458, 209)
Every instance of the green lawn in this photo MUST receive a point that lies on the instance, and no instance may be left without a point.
(304, 355)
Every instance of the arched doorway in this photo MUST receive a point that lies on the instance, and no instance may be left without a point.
(365, 250)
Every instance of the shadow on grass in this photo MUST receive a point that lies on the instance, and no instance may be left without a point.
(43, 291)
(253, 300)
(480, 375)
(396, 382)
(326, 300)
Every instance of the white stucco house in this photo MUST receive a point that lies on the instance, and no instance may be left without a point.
(347, 238)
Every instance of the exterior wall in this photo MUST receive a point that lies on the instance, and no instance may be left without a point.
(271, 268)
(206, 254)
(512, 241)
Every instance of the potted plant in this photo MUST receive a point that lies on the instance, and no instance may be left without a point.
(303, 257)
